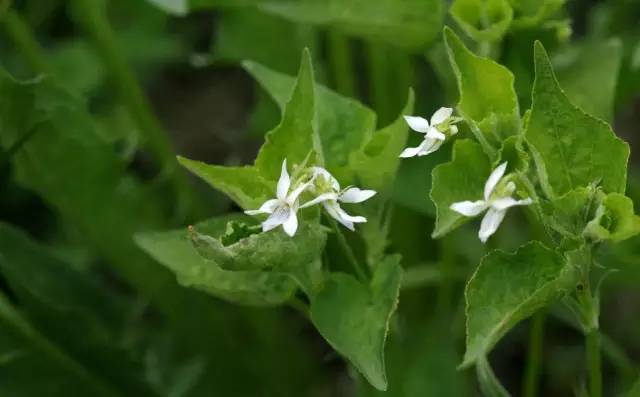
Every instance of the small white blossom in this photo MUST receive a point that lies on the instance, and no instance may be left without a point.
(441, 123)
(330, 196)
(283, 209)
(497, 200)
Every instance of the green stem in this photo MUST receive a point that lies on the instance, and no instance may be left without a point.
(534, 356)
(91, 16)
(19, 32)
(379, 84)
(361, 272)
(594, 363)
(341, 63)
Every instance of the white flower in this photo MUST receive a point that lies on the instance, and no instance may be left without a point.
(497, 200)
(331, 196)
(282, 209)
(434, 136)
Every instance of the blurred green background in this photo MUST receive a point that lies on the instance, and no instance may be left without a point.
(118, 88)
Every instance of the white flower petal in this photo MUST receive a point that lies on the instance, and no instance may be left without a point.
(320, 199)
(493, 180)
(291, 224)
(355, 195)
(277, 218)
(453, 129)
(490, 223)
(417, 124)
(508, 202)
(267, 208)
(350, 218)
(435, 134)
(332, 208)
(284, 182)
(469, 208)
(293, 196)
(429, 146)
(441, 115)
(411, 151)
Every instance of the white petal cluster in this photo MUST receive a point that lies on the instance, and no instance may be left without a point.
(283, 210)
(435, 132)
(497, 200)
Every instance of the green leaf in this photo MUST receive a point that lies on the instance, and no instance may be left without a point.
(615, 219)
(635, 390)
(489, 383)
(488, 99)
(344, 125)
(483, 20)
(461, 179)
(569, 213)
(354, 318)
(590, 81)
(406, 23)
(294, 139)
(244, 185)
(507, 288)
(175, 251)
(376, 163)
(273, 252)
(570, 148)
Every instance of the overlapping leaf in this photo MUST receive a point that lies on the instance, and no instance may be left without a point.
(483, 20)
(354, 318)
(571, 148)
(507, 288)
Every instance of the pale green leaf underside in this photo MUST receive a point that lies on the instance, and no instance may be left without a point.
(460, 179)
(571, 148)
(377, 162)
(487, 96)
(175, 251)
(509, 287)
(354, 318)
(615, 219)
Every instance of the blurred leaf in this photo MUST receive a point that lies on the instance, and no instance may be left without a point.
(488, 100)
(405, 23)
(571, 148)
(344, 125)
(615, 219)
(489, 383)
(250, 287)
(77, 67)
(507, 288)
(531, 13)
(590, 81)
(71, 314)
(377, 162)
(238, 31)
(461, 179)
(635, 390)
(354, 318)
(483, 20)
(178, 7)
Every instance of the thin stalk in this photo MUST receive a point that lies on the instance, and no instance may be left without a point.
(21, 35)
(341, 63)
(534, 356)
(379, 84)
(594, 363)
(361, 272)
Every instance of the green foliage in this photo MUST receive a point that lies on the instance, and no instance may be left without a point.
(488, 101)
(354, 318)
(507, 288)
(175, 250)
(483, 20)
(343, 124)
(461, 179)
(615, 219)
(571, 148)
